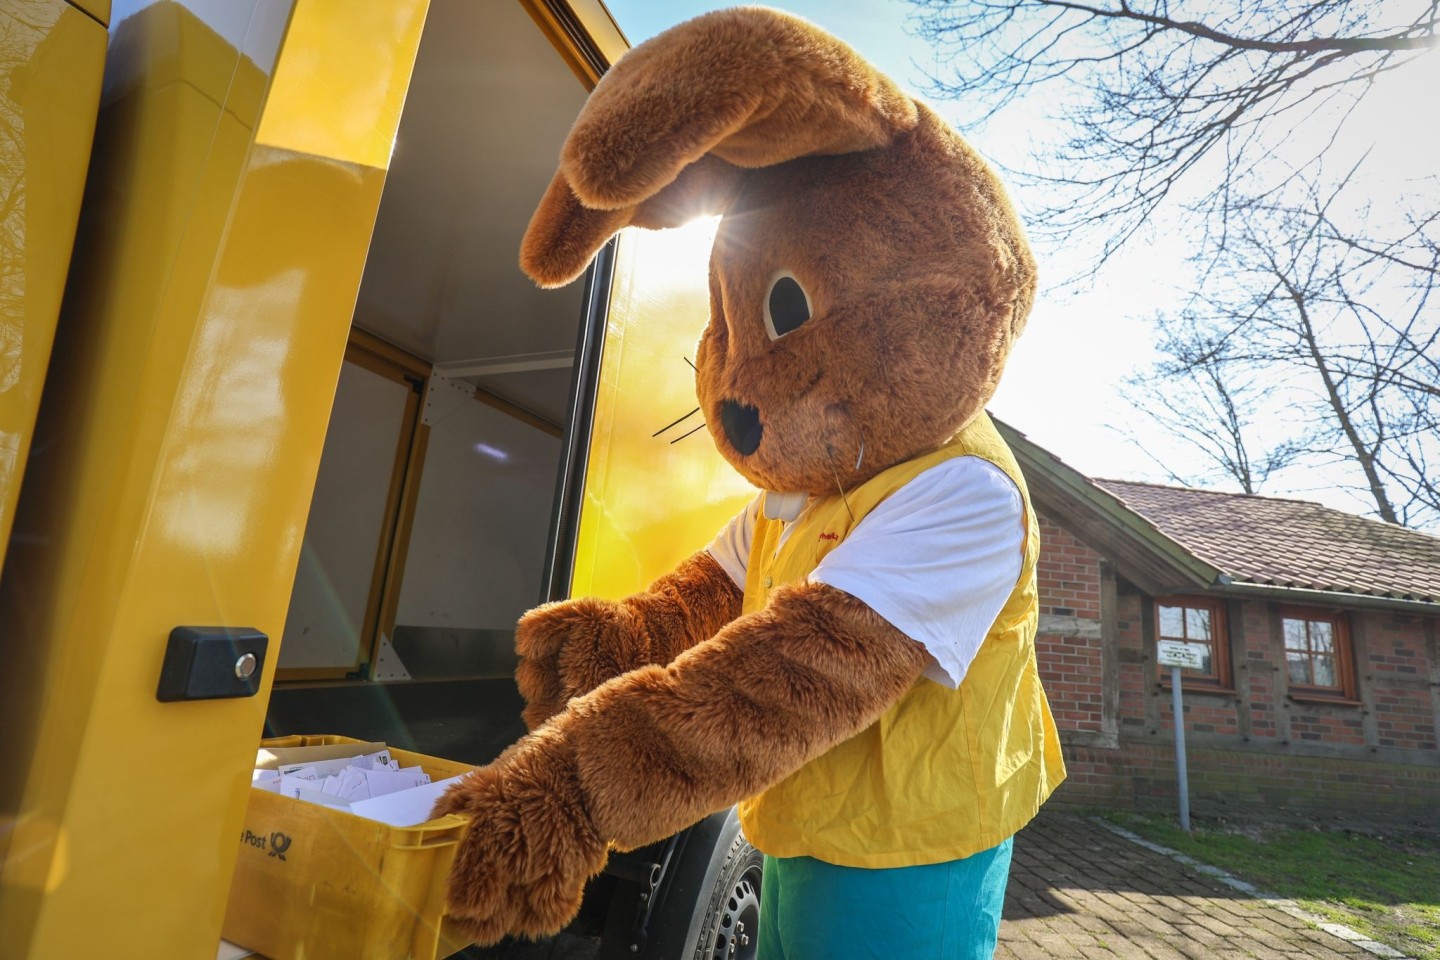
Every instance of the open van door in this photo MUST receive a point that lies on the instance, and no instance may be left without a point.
(51, 58)
(238, 162)
(654, 488)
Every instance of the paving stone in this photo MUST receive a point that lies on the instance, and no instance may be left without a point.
(1080, 892)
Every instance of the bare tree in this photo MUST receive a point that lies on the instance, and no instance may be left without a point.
(1347, 357)
(1312, 306)
(1210, 401)
(1161, 104)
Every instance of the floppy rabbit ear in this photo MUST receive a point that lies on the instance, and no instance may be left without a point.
(754, 87)
(665, 134)
(564, 234)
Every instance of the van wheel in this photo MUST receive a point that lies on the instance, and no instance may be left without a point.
(710, 905)
(733, 924)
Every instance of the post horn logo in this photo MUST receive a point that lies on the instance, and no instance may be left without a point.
(279, 843)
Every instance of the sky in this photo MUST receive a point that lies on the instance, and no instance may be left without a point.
(1061, 386)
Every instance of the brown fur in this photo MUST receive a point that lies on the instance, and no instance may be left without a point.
(653, 750)
(572, 647)
(664, 707)
(919, 282)
(754, 87)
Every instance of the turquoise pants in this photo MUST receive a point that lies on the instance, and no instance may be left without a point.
(810, 910)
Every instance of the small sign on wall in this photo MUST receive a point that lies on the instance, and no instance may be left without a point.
(1177, 653)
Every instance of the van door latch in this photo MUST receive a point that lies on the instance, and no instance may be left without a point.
(212, 663)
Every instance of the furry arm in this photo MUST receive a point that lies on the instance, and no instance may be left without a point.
(572, 647)
(656, 749)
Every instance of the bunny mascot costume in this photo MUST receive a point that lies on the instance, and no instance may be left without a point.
(852, 659)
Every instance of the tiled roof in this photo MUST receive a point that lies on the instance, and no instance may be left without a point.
(1289, 543)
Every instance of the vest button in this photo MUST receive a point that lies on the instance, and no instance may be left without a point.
(768, 583)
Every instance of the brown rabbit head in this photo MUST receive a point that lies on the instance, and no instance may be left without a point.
(868, 276)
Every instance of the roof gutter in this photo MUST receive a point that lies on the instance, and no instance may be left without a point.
(1327, 598)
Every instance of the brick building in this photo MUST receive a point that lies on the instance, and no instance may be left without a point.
(1320, 691)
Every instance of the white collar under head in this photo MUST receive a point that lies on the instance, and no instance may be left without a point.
(784, 506)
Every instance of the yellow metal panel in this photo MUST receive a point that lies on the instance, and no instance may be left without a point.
(203, 336)
(329, 102)
(649, 503)
(50, 68)
(99, 9)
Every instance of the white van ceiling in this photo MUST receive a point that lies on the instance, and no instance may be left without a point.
(489, 105)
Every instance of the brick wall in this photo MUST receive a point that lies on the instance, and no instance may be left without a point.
(1068, 574)
(1068, 649)
(1142, 776)
(1252, 745)
(1257, 673)
(1136, 677)
(1071, 665)
(1403, 683)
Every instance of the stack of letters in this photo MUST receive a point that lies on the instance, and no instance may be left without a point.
(359, 778)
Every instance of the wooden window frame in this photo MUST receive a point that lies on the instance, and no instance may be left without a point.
(1221, 679)
(1346, 689)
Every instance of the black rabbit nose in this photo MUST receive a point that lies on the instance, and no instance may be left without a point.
(742, 426)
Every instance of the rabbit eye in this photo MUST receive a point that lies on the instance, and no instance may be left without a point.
(787, 306)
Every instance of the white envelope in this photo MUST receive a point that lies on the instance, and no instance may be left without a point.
(405, 808)
(380, 782)
(352, 785)
(309, 790)
(380, 760)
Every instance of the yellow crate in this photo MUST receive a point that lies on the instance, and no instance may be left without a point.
(317, 883)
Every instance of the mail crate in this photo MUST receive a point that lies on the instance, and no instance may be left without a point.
(317, 883)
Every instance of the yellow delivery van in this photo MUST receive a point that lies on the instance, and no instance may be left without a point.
(288, 443)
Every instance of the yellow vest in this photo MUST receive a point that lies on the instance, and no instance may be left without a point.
(943, 774)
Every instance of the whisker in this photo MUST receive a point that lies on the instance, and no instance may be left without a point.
(684, 435)
(830, 454)
(673, 422)
(689, 364)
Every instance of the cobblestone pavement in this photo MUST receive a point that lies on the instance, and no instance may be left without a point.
(1079, 892)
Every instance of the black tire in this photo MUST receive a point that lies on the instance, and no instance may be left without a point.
(709, 906)
(730, 929)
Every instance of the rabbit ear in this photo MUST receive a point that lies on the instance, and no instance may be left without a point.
(752, 86)
(564, 234)
(664, 136)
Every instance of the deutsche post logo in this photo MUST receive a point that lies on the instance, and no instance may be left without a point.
(274, 845)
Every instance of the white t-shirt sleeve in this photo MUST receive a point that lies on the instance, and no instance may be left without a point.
(937, 559)
(731, 546)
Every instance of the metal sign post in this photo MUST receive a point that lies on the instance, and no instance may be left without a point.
(1177, 655)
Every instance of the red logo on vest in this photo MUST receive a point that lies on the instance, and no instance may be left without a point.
(829, 536)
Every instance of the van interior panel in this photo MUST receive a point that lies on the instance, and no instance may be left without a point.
(427, 533)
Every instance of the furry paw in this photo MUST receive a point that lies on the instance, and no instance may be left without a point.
(569, 649)
(522, 866)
